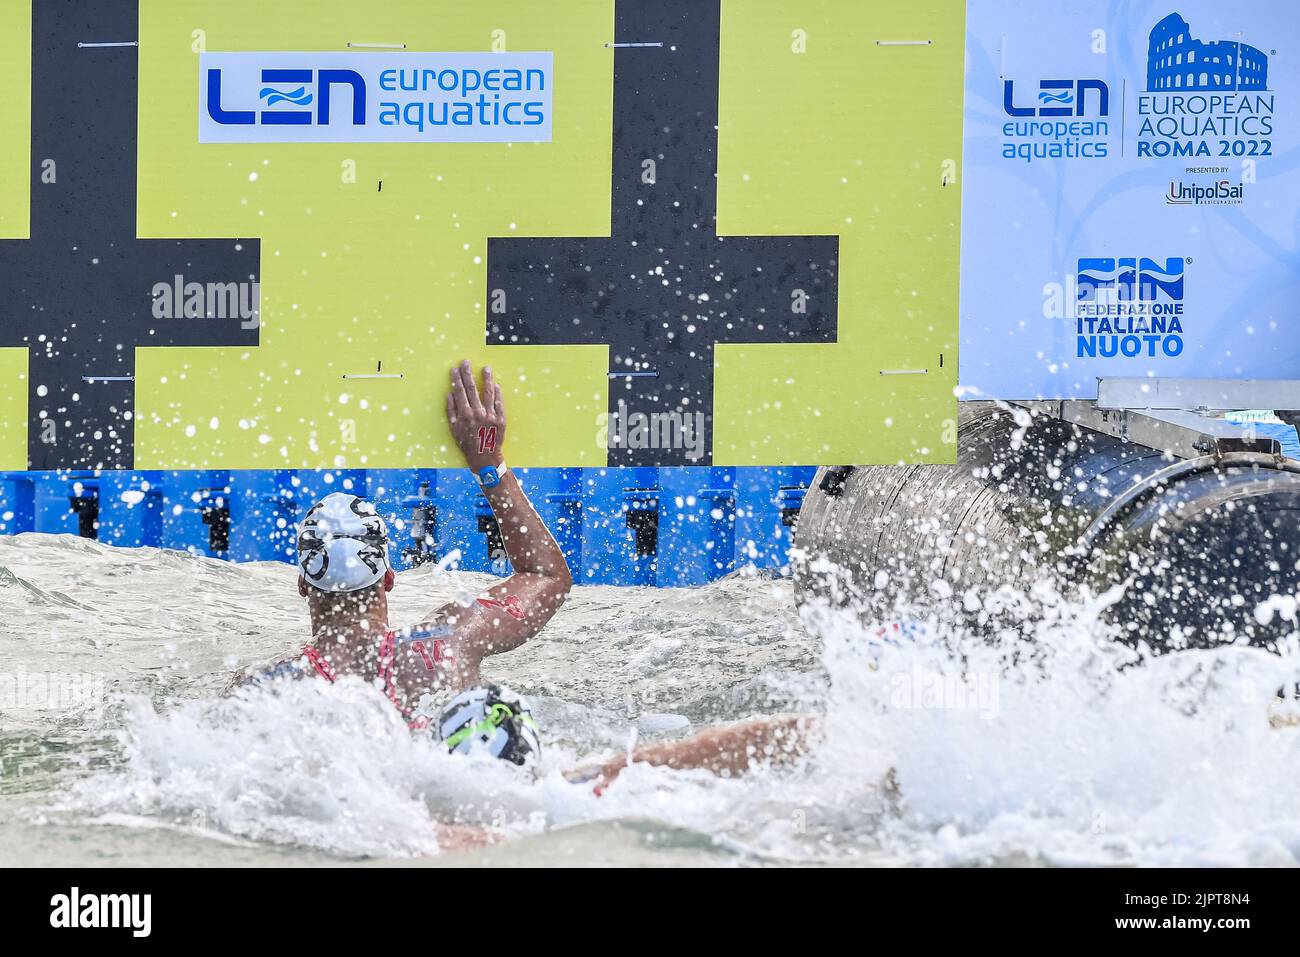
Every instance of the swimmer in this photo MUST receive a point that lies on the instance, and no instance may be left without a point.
(734, 749)
(345, 576)
(491, 720)
(496, 721)
(728, 750)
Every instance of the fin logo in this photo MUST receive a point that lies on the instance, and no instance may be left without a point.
(1071, 97)
(1131, 279)
(1130, 308)
(323, 81)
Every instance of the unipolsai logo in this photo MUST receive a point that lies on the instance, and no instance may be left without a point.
(1129, 307)
(1221, 192)
(1067, 119)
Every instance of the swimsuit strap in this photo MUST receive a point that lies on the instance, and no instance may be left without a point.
(387, 648)
(319, 663)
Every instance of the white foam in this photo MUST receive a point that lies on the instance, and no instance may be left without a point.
(1053, 743)
(1089, 754)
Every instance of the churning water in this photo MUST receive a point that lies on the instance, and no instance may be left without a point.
(1049, 743)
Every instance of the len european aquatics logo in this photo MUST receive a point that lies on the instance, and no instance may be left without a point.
(401, 97)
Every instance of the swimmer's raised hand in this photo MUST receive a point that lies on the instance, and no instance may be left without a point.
(516, 609)
(478, 422)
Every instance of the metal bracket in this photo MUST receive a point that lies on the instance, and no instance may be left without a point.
(833, 480)
(1181, 433)
(1218, 395)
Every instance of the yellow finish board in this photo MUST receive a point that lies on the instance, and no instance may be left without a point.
(15, 189)
(836, 118)
(857, 136)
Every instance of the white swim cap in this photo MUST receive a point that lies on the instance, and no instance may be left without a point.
(342, 544)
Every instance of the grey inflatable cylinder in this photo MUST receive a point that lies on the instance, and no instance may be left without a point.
(1200, 545)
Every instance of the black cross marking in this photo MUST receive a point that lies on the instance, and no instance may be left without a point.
(639, 290)
(78, 294)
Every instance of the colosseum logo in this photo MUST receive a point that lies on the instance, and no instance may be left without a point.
(1203, 98)
(1176, 60)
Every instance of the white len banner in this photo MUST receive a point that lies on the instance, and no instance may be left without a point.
(375, 97)
(1131, 197)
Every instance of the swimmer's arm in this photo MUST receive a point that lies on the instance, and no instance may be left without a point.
(727, 751)
(237, 681)
(464, 837)
(518, 608)
(288, 667)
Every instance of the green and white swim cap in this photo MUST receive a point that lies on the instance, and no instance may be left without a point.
(493, 720)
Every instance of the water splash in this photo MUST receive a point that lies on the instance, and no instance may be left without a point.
(1023, 732)
(304, 763)
(1084, 751)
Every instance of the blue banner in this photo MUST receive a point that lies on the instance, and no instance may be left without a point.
(1130, 196)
